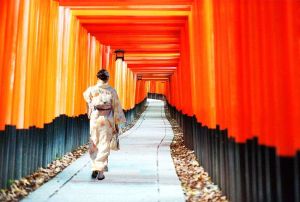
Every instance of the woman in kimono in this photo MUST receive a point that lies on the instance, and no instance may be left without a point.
(105, 113)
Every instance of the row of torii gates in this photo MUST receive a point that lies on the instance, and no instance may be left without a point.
(229, 71)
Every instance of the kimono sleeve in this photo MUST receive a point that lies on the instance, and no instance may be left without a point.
(119, 116)
(87, 95)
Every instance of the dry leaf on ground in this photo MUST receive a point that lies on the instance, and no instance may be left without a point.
(196, 183)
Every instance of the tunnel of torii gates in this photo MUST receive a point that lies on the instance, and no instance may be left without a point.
(229, 70)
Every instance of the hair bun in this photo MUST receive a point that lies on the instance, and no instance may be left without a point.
(103, 75)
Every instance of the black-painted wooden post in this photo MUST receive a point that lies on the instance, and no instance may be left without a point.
(239, 168)
(231, 171)
(254, 183)
(261, 174)
(11, 151)
(223, 162)
(6, 157)
(2, 136)
(227, 163)
(297, 176)
(18, 155)
(286, 178)
(242, 172)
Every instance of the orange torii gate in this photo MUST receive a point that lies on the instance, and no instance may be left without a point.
(228, 69)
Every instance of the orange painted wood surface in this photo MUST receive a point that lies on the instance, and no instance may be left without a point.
(230, 63)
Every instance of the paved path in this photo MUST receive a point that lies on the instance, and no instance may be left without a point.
(142, 170)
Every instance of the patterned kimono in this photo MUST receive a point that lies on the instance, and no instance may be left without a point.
(104, 112)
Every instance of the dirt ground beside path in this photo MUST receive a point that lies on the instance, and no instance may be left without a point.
(196, 183)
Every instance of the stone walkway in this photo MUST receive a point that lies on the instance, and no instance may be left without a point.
(142, 170)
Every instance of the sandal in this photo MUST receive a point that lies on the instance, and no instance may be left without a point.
(100, 176)
(94, 174)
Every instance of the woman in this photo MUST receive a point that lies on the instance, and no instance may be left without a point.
(105, 113)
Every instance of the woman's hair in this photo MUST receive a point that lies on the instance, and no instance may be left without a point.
(103, 75)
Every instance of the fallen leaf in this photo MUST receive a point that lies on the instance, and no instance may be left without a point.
(195, 182)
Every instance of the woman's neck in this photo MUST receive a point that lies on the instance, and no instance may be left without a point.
(101, 82)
